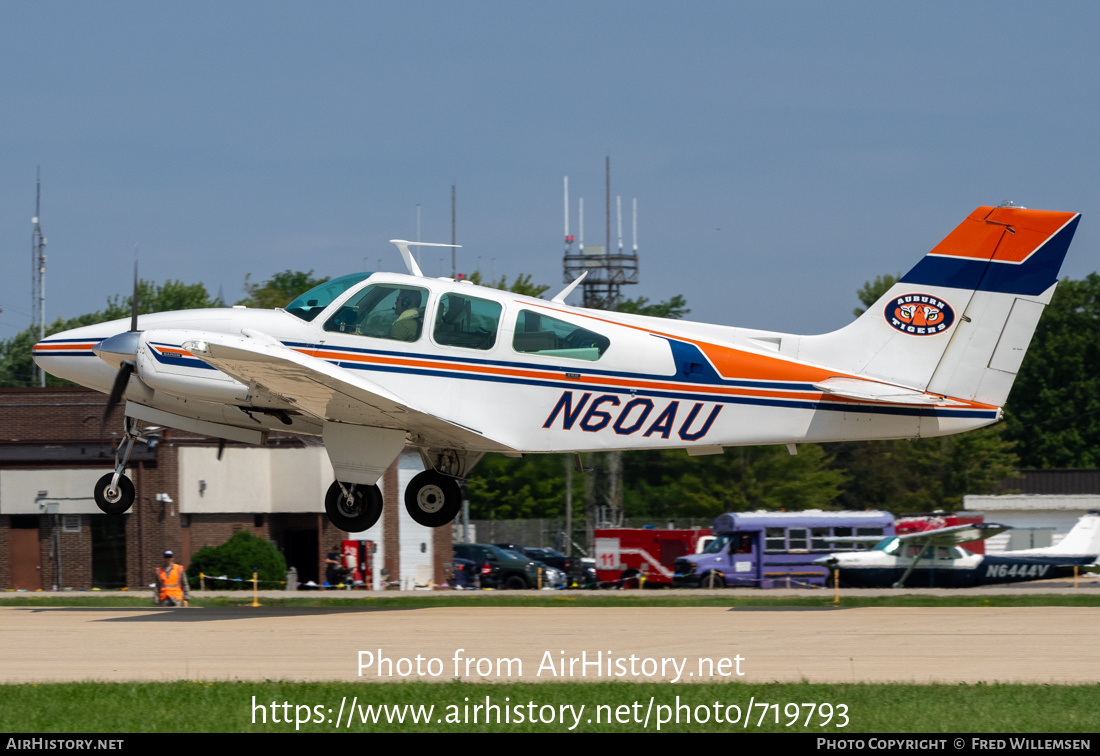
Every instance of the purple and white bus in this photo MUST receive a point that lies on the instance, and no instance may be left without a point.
(777, 549)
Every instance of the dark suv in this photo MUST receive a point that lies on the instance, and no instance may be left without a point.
(497, 568)
(573, 567)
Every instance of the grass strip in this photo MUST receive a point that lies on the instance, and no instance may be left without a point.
(594, 599)
(210, 706)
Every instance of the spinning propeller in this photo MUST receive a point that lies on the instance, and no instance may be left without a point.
(121, 349)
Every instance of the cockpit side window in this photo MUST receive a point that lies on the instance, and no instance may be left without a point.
(467, 322)
(383, 311)
(540, 334)
(309, 305)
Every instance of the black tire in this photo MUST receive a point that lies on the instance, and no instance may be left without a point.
(358, 514)
(433, 499)
(719, 581)
(515, 583)
(122, 499)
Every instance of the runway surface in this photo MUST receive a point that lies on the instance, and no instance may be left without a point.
(950, 644)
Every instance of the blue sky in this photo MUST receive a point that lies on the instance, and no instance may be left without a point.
(782, 153)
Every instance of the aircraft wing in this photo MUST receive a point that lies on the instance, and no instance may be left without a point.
(955, 534)
(317, 388)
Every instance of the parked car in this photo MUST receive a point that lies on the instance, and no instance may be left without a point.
(498, 568)
(574, 568)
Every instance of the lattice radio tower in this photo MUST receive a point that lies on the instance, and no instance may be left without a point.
(607, 271)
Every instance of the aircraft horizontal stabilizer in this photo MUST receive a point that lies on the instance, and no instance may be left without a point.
(329, 392)
(875, 391)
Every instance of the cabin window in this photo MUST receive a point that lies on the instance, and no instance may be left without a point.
(467, 322)
(539, 334)
(309, 305)
(820, 540)
(799, 539)
(775, 540)
(382, 311)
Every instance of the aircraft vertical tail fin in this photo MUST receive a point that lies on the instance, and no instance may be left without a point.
(959, 323)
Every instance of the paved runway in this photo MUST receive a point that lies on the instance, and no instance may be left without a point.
(1041, 645)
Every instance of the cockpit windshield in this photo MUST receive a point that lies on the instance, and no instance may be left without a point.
(716, 546)
(889, 545)
(309, 305)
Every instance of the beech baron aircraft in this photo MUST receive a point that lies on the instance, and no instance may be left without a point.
(934, 558)
(372, 362)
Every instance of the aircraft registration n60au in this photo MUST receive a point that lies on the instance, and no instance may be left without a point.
(372, 362)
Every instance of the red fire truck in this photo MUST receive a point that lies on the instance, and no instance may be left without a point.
(632, 557)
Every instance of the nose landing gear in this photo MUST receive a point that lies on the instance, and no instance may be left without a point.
(114, 492)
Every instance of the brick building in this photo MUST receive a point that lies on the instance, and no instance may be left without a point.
(53, 450)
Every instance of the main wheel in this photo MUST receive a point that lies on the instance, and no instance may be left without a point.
(117, 501)
(433, 499)
(716, 577)
(355, 511)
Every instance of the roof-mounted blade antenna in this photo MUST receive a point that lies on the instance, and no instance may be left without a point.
(406, 255)
(560, 298)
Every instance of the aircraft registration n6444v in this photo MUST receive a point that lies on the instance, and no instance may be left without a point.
(934, 558)
(373, 362)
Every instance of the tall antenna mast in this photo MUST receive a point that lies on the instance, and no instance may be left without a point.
(38, 273)
(607, 205)
(635, 225)
(580, 228)
(619, 211)
(568, 238)
(454, 266)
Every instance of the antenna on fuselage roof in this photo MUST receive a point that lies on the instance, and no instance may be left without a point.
(406, 255)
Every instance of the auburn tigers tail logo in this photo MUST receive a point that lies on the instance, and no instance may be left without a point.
(919, 314)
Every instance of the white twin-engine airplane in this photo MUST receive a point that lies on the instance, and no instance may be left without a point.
(371, 362)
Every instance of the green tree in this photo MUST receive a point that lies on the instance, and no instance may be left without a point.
(1053, 412)
(674, 484)
(520, 285)
(238, 557)
(675, 308)
(279, 290)
(872, 291)
(16, 366)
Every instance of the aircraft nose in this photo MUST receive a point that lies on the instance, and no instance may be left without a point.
(826, 561)
(116, 349)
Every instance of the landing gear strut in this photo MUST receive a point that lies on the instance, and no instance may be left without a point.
(114, 492)
(353, 507)
(433, 499)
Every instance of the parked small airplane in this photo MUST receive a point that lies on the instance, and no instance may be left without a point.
(933, 558)
(371, 362)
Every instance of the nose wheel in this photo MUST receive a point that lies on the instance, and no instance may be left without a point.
(114, 492)
(353, 507)
(114, 498)
(433, 499)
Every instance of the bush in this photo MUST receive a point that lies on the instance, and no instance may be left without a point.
(237, 558)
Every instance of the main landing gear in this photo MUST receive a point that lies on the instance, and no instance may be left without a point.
(114, 492)
(433, 499)
(353, 507)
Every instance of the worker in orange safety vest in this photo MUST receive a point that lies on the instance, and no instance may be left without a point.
(171, 586)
